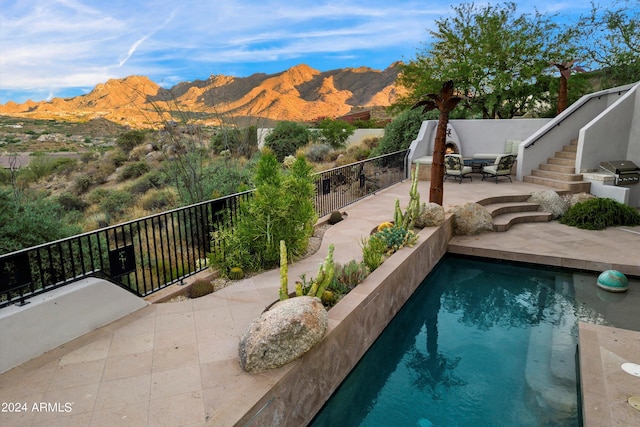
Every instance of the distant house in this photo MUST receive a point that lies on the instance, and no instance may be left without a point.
(379, 114)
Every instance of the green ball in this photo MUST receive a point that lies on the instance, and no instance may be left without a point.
(613, 281)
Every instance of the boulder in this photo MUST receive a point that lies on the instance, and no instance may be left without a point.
(549, 201)
(471, 218)
(572, 199)
(282, 334)
(432, 216)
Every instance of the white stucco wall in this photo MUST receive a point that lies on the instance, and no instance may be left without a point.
(476, 136)
(58, 316)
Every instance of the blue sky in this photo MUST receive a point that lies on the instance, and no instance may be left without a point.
(63, 48)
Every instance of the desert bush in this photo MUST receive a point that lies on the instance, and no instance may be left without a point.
(159, 199)
(600, 213)
(317, 152)
(118, 158)
(286, 138)
(358, 152)
(112, 202)
(134, 170)
(82, 183)
(400, 132)
(71, 202)
(335, 132)
(30, 220)
(127, 141)
(240, 142)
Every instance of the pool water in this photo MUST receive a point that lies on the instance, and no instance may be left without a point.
(480, 343)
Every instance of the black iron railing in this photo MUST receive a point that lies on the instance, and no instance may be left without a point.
(150, 253)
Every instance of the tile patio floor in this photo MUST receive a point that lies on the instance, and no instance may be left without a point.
(175, 364)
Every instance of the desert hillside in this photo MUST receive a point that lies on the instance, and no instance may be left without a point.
(300, 93)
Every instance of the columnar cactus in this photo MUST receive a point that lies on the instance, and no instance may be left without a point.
(284, 279)
(325, 275)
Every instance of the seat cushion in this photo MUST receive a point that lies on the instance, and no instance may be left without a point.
(486, 156)
(425, 160)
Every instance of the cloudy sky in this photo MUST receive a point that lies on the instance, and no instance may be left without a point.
(62, 48)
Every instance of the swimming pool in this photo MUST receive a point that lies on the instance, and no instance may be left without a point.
(480, 343)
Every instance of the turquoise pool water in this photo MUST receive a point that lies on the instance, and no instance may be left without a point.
(480, 343)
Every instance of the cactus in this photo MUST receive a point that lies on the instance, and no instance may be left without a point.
(335, 217)
(284, 280)
(200, 288)
(414, 209)
(384, 225)
(236, 273)
(325, 275)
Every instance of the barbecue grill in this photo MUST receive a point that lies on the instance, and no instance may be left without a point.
(625, 171)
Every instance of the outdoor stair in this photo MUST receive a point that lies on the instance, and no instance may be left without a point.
(513, 209)
(560, 172)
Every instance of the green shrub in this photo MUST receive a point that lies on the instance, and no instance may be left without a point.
(600, 213)
(134, 170)
(335, 132)
(400, 132)
(317, 152)
(112, 202)
(200, 288)
(71, 202)
(286, 138)
(118, 158)
(30, 220)
(159, 199)
(281, 208)
(82, 183)
(127, 141)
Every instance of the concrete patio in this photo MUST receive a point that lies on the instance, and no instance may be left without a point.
(176, 364)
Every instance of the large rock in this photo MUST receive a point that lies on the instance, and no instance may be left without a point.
(551, 202)
(471, 218)
(432, 216)
(572, 199)
(282, 334)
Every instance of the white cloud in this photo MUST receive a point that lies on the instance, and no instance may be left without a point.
(52, 45)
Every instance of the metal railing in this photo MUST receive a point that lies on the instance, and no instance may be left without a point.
(150, 253)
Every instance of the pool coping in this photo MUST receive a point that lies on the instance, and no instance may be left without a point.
(354, 324)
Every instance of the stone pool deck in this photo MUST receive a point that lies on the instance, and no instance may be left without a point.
(176, 363)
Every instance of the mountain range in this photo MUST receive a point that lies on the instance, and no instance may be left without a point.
(300, 93)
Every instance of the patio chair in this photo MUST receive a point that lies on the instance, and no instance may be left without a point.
(500, 168)
(454, 167)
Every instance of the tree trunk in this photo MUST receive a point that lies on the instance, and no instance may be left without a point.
(436, 190)
(563, 94)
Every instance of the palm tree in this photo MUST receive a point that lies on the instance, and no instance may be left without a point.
(445, 101)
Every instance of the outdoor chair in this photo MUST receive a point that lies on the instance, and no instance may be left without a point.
(454, 167)
(500, 168)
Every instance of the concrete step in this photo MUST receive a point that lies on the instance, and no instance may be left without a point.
(557, 168)
(504, 199)
(513, 209)
(496, 209)
(504, 221)
(560, 176)
(561, 161)
(572, 187)
(566, 154)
